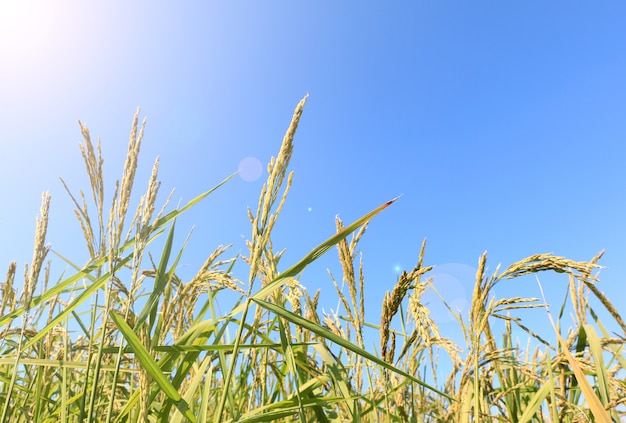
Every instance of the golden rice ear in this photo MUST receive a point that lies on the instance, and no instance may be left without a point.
(263, 221)
(40, 250)
(120, 207)
(94, 167)
(7, 292)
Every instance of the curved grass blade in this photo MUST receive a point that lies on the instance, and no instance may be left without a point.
(600, 414)
(596, 351)
(323, 332)
(291, 272)
(287, 351)
(313, 255)
(151, 366)
(83, 296)
(175, 213)
(85, 272)
(160, 281)
(61, 287)
(535, 402)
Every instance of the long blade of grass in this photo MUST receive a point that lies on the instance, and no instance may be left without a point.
(337, 372)
(175, 213)
(281, 410)
(231, 369)
(596, 351)
(325, 333)
(287, 351)
(313, 255)
(194, 385)
(535, 402)
(291, 272)
(83, 296)
(160, 282)
(554, 413)
(616, 350)
(194, 338)
(594, 402)
(151, 366)
(60, 288)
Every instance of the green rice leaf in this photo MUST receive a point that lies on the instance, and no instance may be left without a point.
(151, 366)
(596, 351)
(325, 333)
(316, 253)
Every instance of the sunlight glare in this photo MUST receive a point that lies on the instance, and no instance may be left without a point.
(25, 28)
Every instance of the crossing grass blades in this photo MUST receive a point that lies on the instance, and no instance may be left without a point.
(123, 338)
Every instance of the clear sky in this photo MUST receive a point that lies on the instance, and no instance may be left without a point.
(501, 123)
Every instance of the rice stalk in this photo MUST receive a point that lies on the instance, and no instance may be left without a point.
(264, 220)
(393, 300)
(40, 251)
(595, 404)
(7, 292)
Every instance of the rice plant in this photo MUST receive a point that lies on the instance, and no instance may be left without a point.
(123, 338)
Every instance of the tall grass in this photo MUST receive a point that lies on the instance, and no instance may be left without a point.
(124, 339)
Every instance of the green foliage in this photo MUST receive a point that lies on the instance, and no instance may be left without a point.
(92, 348)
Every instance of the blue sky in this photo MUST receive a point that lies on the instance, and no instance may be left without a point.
(502, 124)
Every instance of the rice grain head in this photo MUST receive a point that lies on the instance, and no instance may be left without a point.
(39, 252)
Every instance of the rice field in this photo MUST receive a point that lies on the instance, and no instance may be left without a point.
(91, 348)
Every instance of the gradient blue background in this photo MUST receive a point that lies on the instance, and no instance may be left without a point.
(502, 124)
